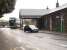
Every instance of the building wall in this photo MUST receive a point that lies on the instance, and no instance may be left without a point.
(54, 22)
(59, 21)
(43, 23)
(34, 21)
(27, 21)
(65, 20)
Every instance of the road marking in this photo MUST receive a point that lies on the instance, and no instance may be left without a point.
(18, 48)
(22, 48)
(35, 49)
(63, 45)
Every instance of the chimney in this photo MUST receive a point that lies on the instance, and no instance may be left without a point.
(57, 4)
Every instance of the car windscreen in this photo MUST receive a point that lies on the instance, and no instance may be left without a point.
(33, 27)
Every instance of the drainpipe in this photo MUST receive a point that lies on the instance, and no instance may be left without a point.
(50, 23)
(62, 23)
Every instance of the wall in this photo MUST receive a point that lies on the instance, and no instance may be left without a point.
(65, 20)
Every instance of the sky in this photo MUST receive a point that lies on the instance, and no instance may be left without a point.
(32, 4)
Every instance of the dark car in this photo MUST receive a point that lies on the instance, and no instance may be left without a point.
(31, 28)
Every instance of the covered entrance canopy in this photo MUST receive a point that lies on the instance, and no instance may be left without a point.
(33, 14)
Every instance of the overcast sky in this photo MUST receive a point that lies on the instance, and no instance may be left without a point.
(33, 4)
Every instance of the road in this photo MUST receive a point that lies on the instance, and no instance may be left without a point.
(15, 39)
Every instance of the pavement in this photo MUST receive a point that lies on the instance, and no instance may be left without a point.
(15, 39)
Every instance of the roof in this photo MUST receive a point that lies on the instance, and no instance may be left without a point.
(57, 9)
(40, 12)
(33, 12)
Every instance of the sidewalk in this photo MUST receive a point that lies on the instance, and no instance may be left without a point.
(57, 33)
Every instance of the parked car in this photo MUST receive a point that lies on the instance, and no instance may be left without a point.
(31, 28)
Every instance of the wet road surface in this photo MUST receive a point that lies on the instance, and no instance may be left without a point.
(15, 39)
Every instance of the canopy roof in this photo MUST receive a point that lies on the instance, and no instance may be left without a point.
(58, 8)
(33, 12)
(40, 12)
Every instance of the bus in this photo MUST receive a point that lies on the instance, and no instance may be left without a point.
(12, 22)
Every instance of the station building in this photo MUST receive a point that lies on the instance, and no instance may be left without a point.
(46, 19)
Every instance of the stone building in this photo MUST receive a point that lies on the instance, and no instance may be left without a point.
(47, 19)
(56, 19)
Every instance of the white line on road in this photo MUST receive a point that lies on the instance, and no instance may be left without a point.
(22, 48)
(63, 45)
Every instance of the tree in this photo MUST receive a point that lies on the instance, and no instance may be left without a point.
(6, 6)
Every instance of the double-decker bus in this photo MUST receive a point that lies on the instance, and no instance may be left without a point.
(12, 22)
